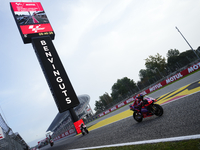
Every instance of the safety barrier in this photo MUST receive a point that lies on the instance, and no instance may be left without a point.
(167, 80)
(10, 140)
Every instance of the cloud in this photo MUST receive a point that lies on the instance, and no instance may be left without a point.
(98, 42)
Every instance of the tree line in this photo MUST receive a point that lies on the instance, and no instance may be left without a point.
(156, 68)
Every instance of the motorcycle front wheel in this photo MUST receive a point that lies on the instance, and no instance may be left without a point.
(158, 110)
(137, 117)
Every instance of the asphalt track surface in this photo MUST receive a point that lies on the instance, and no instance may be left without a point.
(180, 83)
(180, 118)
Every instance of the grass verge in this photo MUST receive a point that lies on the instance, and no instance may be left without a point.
(178, 145)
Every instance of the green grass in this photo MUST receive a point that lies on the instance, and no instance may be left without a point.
(180, 145)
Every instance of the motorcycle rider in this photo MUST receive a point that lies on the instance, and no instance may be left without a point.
(138, 102)
(83, 127)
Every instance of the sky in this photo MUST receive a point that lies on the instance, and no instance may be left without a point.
(98, 42)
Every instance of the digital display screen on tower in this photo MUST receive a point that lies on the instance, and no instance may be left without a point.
(31, 20)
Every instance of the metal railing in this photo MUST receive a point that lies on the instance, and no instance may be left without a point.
(141, 90)
(11, 141)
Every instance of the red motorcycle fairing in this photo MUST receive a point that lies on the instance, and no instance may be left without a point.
(148, 109)
(145, 112)
(147, 101)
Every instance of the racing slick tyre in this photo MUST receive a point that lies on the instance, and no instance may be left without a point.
(138, 117)
(158, 110)
(83, 133)
(86, 131)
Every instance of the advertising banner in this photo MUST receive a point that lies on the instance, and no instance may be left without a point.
(58, 81)
(65, 134)
(77, 125)
(157, 86)
(31, 20)
(173, 78)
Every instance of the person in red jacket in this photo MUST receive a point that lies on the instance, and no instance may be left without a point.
(138, 102)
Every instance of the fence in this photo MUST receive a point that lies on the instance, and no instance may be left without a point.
(166, 75)
(11, 141)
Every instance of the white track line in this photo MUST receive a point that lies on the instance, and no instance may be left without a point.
(150, 141)
(180, 138)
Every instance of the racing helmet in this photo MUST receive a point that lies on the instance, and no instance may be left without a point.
(140, 96)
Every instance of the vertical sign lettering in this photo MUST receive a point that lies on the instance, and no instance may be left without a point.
(59, 83)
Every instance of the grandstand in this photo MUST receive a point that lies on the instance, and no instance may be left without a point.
(63, 122)
(10, 140)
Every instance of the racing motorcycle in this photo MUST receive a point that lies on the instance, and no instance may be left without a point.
(51, 142)
(148, 109)
(84, 129)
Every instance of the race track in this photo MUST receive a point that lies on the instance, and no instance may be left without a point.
(180, 118)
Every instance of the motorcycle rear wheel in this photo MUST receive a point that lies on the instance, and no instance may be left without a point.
(137, 117)
(86, 131)
(83, 133)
